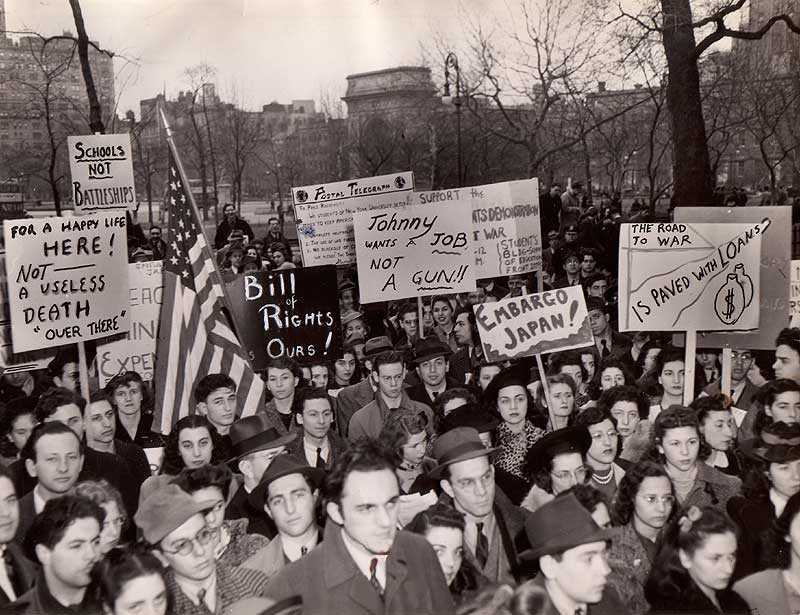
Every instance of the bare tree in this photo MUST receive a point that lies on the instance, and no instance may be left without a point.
(239, 135)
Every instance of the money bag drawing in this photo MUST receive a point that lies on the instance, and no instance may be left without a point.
(734, 296)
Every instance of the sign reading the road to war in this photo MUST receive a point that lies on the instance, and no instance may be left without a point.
(102, 172)
(67, 279)
(506, 233)
(688, 277)
(137, 350)
(420, 250)
(324, 213)
(532, 324)
(292, 313)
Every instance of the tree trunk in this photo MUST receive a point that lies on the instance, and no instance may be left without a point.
(694, 183)
(95, 111)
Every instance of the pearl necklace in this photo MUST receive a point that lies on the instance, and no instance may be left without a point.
(603, 480)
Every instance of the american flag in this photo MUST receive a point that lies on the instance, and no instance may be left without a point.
(194, 337)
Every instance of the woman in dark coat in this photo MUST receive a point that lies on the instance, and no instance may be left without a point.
(773, 477)
(693, 569)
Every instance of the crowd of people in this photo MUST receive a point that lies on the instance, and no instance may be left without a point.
(409, 475)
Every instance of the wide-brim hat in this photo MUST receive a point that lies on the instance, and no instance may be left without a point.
(165, 510)
(376, 345)
(517, 374)
(350, 316)
(470, 415)
(430, 348)
(575, 439)
(283, 465)
(456, 445)
(255, 433)
(778, 443)
(559, 525)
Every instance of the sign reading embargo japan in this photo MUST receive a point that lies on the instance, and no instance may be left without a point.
(688, 277)
(67, 279)
(532, 324)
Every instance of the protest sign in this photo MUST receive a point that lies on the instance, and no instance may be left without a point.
(794, 291)
(102, 172)
(137, 350)
(533, 324)
(689, 276)
(67, 279)
(420, 250)
(292, 313)
(324, 213)
(506, 232)
(775, 262)
(9, 361)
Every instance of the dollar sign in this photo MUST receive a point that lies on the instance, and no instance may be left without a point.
(729, 307)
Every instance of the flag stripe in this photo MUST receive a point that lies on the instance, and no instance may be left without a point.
(194, 336)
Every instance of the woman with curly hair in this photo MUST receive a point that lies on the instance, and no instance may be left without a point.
(192, 443)
(629, 407)
(694, 567)
(776, 589)
(561, 409)
(407, 435)
(678, 446)
(131, 582)
(718, 430)
(772, 478)
(670, 370)
(609, 374)
(443, 527)
(507, 397)
(644, 503)
(211, 483)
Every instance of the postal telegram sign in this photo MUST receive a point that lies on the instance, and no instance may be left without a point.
(528, 325)
(420, 250)
(67, 279)
(102, 172)
(689, 276)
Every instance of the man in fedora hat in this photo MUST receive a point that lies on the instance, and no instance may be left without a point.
(492, 520)
(388, 368)
(365, 565)
(254, 445)
(355, 396)
(288, 493)
(431, 358)
(173, 525)
(570, 549)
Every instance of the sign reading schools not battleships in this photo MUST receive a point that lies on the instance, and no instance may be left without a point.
(324, 213)
(102, 172)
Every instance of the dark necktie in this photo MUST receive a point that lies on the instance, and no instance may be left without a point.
(10, 572)
(303, 551)
(373, 576)
(201, 597)
(482, 546)
(604, 352)
(320, 464)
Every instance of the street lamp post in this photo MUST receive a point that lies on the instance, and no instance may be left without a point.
(451, 61)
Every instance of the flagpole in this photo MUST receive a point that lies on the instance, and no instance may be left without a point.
(170, 141)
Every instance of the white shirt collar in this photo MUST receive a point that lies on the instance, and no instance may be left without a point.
(293, 548)
(778, 501)
(362, 559)
(38, 500)
(192, 590)
(310, 451)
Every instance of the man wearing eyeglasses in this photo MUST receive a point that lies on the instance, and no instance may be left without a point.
(492, 520)
(605, 473)
(174, 526)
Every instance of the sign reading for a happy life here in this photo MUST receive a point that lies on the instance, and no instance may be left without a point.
(324, 213)
(421, 250)
(686, 277)
(67, 279)
(102, 172)
(532, 324)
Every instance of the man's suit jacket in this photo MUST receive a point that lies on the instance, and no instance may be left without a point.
(27, 513)
(270, 560)
(329, 581)
(349, 401)
(764, 592)
(239, 508)
(337, 447)
(25, 572)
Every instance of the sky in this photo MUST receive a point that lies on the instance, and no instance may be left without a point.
(265, 50)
